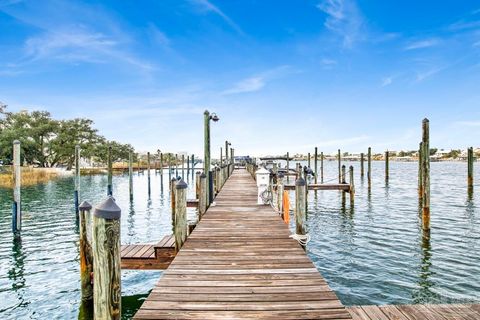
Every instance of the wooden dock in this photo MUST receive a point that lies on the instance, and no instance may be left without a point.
(148, 256)
(416, 312)
(240, 263)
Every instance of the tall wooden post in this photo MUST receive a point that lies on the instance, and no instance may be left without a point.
(343, 180)
(470, 160)
(386, 166)
(321, 167)
(107, 293)
(197, 185)
(148, 168)
(426, 175)
(130, 174)
(339, 166)
(352, 186)
(369, 167)
(316, 164)
(362, 160)
(161, 170)
(300, 208)
(288, 167)
(76, 192)
(280, 193)
(420, 171)
(202, 199)
(181, 227)
(308, 160)
(173, 184)
(17, 182)
(176, 165)
(86, 255)
(226, 154)
(206, 153)
(193, 163)
(183, 166)
(188, 166)
(109, 164)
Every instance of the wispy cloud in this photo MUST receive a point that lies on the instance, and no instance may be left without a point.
(427, 74)
(421, 44)
(387, 81)
(158, 36)
(328, 63)
(257, 82)
(208, 6)
(344, 19)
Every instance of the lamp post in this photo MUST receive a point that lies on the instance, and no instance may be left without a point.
(206, 158)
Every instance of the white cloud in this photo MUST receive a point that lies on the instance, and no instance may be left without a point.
(210, 7)
(343, 18)
(421, 44)
(257, 82)
(387, 81)
(328, 63)
(427, 74)
(158, 36)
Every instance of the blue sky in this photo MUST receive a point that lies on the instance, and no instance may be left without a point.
(282, 75)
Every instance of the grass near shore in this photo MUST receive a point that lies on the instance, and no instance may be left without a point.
(30, 176)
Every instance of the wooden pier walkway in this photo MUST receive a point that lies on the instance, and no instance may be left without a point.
(240, 263)
(148, 256)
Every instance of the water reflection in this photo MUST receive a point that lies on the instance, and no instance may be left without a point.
(425, 284)
(17, 270)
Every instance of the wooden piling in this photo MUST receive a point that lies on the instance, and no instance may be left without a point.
(362, 160)
(148, 167)
(17, 183)
(173, 183)
(197, 185)
(161, 170)
(369, 167)
(288, 167)
(321, 167)
(130, 174)
(426, 175)
(188, 165)
(107, 293)
(183, 167)
(343, 180)
(202, 199)
(76, 192)
(176, 165)
(470, 161)
(339, 166)
(193, 163)
(308, 160)
(300, 209)
(109, 164)
(316, 164)
(86, 255)
(386, 166)
(181, 227)
(280, 193)
(352, 186)
(420, 164)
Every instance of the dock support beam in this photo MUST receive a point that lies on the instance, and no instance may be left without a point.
(339, 166)
(420, 171)
(300, 208)
(109, 164)
(470, 160)
(386, 166)
(316, 165)
(17, 182)
(86, 255)
(130, 174)
(321, 167)
(76, 192)
(426, 175)
(148, 171)
(202, 199)
(362, 159)
(352, 186)
(181, 227)
(107, 293)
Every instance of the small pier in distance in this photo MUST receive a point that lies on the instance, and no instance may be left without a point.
(240, 263)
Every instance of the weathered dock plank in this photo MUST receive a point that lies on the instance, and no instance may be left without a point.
(148, 256)
(239, 263)
(416, 312)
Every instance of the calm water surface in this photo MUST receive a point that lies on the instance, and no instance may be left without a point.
(373, 253)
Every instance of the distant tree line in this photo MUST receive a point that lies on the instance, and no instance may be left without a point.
(46, 142)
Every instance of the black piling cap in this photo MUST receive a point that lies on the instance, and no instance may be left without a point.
(108, 209)
(300, 182)
(85, 206)
(181, 185)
